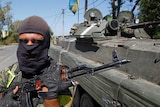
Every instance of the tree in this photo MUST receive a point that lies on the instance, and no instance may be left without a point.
(135, 5)
(150, 11)
(14, 30)
(117, 8)
(1, 19)
(5, 17)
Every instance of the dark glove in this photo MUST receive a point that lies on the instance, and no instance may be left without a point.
(52, 80)
(8, 100)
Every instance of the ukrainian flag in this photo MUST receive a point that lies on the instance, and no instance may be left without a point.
(73, 5)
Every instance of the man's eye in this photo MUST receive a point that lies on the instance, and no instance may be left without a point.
(32, 41)
(24, 40)
(36, 41)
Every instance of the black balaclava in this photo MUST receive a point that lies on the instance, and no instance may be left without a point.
(33, 58)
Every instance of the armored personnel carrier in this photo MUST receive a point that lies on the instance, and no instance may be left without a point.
(96, 42)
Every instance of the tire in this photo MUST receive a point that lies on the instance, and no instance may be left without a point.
(86, 101)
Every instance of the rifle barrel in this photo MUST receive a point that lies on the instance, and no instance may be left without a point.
(92, 70)
(77, 68)
(110, 65)
(143, 24)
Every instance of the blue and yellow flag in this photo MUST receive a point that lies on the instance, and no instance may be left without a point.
(73, 5)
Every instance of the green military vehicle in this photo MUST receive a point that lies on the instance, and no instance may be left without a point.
(97, 42)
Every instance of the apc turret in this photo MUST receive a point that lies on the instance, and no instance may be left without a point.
(95, 26)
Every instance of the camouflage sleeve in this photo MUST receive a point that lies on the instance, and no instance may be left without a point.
(3, 79)
(6, 77)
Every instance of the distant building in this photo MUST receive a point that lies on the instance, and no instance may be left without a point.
(4, 33)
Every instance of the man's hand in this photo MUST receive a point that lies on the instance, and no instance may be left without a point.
(15, 90)
(50, 102)
(8, 99)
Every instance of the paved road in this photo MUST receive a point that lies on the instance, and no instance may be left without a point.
(7, 56)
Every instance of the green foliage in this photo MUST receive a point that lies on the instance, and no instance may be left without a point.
(157, 36)
(157, 33)
(149, 10)
(108, 17)
(5, 16)
(6, 20)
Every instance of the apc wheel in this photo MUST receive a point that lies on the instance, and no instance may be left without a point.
(86, 101)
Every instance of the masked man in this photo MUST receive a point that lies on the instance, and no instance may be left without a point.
(18, 83)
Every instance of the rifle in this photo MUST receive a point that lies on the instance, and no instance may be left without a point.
(24, 93)
(68, 74)
(26, 88)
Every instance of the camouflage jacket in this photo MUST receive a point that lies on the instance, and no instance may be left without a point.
(9, 76)
(12, 75)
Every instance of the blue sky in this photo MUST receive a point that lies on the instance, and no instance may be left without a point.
(51, 11)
